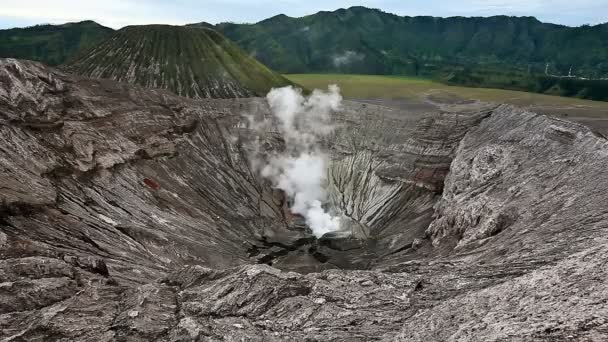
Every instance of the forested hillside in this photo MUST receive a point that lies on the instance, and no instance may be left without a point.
(51, 44)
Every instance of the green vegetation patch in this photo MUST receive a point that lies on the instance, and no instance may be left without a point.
(51, 44)
(420, 89)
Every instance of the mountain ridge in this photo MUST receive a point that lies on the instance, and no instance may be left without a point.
(496, 39)
(194, 62)
(505, 52)
(363, 8)
(51, 44)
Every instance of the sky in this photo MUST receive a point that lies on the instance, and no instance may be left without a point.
(119, 13)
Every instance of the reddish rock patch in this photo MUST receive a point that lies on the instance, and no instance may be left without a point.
(151, 184)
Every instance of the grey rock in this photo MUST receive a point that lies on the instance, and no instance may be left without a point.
(132, 215)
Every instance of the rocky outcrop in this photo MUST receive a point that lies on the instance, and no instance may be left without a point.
(97, 168)
(533, 177)
(132, 214)
(387, 169)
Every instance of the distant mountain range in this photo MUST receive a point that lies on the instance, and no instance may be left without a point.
(51, 44)
(363, 40)
(501, 51)
(190, 61)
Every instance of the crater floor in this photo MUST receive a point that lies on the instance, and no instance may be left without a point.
(129, 214)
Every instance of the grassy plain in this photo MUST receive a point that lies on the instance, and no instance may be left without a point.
(419, 89)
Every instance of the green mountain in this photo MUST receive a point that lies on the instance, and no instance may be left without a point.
(362, 40)
(195, 62)
(518, 53)
(51, 44)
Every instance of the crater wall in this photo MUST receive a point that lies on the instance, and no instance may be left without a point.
(134, 214)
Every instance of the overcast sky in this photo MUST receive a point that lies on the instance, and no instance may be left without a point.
(119, 13)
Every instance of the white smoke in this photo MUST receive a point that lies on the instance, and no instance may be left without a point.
(347, 58)
(301, 169)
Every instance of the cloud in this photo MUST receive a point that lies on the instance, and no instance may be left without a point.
(564, 12)
(118, 13)
(347, 58)
(502, 5)
(112, 13)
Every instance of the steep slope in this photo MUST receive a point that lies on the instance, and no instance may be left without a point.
(51, 44)
(192, 62)
(133, 214)
(362, 40)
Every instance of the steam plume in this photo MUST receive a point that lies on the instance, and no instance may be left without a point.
(301, 169)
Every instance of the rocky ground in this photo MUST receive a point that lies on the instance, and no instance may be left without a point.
(133, 215)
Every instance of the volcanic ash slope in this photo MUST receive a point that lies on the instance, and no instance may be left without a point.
(189, 61)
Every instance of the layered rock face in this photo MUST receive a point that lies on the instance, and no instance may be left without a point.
(133, 215)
